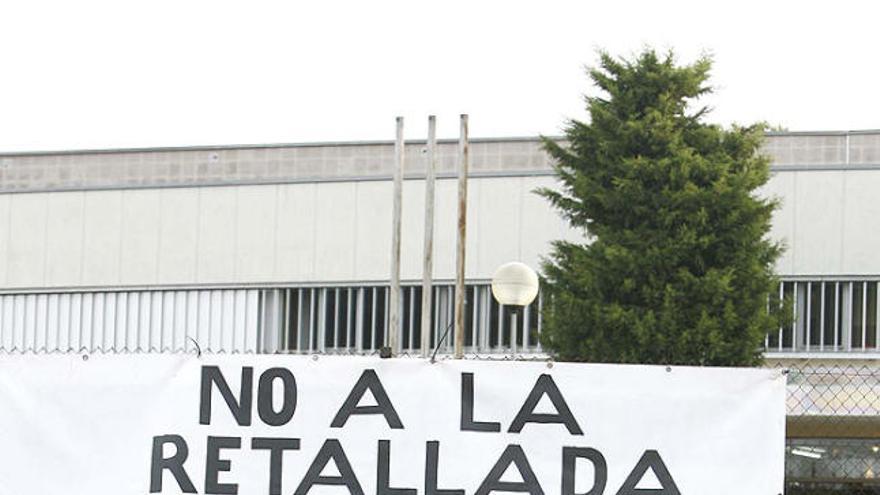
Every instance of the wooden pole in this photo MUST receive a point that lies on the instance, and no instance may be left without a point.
(428, 264)
(463, 157)
(394, 294)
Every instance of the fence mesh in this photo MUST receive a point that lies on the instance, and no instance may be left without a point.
(833, 430)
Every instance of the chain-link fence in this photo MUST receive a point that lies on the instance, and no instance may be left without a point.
(833, 430)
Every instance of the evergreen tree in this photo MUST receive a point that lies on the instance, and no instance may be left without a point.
(675, 266)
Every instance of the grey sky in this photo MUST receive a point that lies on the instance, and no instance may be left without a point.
(111, 73)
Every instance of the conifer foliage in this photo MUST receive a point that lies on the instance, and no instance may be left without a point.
(675, 266)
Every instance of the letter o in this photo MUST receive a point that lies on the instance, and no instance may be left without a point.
(265, 393)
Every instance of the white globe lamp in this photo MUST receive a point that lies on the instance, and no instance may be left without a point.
(514, 285)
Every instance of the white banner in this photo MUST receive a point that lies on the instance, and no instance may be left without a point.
(139, 424)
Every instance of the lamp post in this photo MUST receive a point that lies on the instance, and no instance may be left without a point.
(514, 284)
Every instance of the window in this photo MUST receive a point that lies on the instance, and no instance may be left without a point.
(837, 464)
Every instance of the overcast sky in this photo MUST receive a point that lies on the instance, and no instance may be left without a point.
(114, 73)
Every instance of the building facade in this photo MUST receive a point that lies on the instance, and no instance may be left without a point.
(286, 248)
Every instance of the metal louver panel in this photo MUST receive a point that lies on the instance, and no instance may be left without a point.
(218, 321)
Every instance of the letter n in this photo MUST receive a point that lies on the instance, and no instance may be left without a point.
(240, 409)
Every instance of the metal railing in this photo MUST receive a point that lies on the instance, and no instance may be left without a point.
(828, 316)
(354, 320)
(342, 319)
(834, 317)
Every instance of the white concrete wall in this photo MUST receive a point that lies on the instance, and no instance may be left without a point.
(293, 233)
(340, 231)
(829, 221)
